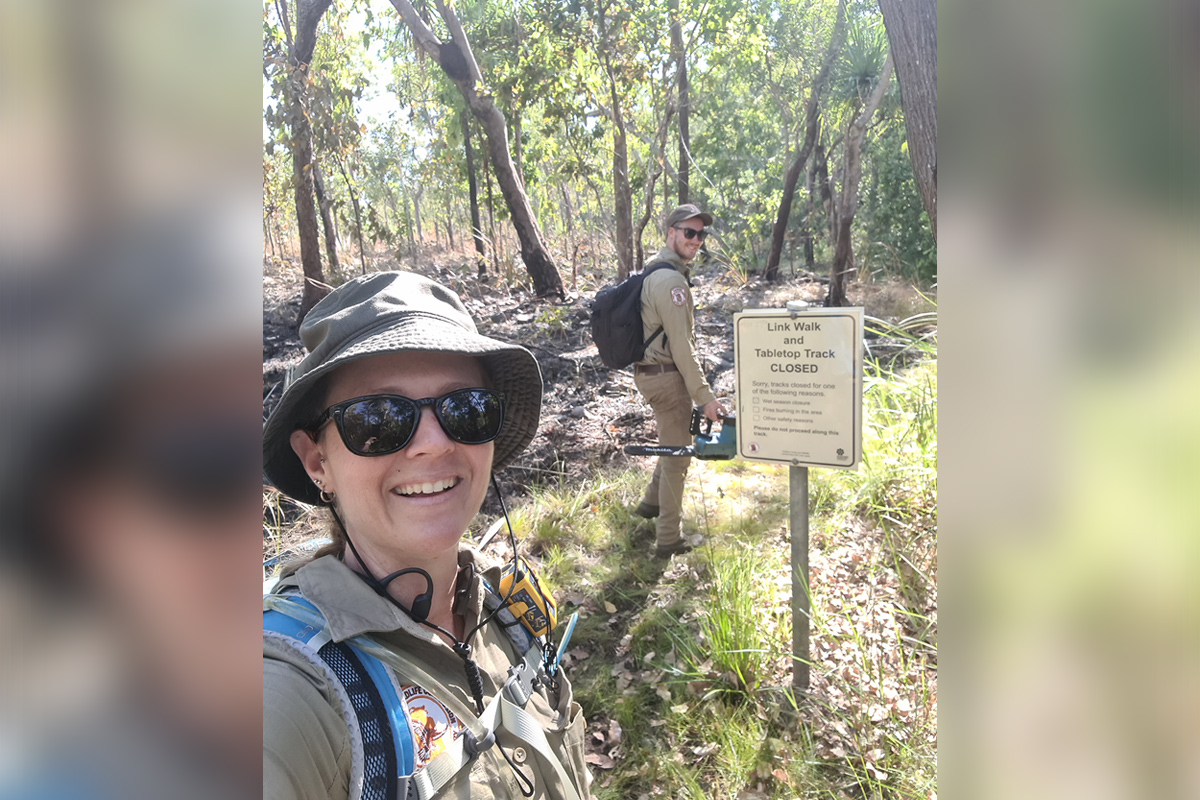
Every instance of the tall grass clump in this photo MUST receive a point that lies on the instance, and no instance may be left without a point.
(896, 482)
(291, 531)
(737, 641)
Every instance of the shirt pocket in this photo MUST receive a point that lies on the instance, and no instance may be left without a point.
(573, 749)
(490, 777)
(567, 744)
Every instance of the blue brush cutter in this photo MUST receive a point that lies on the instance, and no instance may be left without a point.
(721, 447)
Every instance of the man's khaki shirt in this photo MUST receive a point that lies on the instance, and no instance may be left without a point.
(306, 741)
(667, 303)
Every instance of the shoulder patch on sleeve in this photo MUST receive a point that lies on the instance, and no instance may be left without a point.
(679, 295)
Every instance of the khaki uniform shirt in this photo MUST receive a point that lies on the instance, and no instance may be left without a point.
(667, 303)
(306, 742)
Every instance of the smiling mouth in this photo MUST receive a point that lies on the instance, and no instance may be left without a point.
(436, 487)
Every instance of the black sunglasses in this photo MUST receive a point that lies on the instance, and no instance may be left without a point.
(381, 424)
(692, 233)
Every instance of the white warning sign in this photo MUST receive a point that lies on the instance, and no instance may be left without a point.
(799, 386)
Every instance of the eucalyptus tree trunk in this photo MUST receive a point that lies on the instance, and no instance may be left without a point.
(267, 234)
(790, 179)
(639, 252)
(417, 213)
(458, 62)
(843, 254)
(622, 194)
(362, 251)
(491, 209)
(679, 56)
(325, 206)
(568, 214)
(912, 33)
(306, 212)
(812, 126)
(518, 157)
(663, 129)
(806, 223)
(408, 225)
(473, 187)
(825, 189)
(308, 15)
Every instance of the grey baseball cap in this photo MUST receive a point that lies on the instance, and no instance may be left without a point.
(685, 212)
(395, 312)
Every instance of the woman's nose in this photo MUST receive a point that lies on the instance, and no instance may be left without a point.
(429, 436)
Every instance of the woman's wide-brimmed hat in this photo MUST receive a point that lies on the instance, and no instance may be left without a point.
(395, 312)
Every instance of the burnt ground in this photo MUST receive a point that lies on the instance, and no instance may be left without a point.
(589, 412)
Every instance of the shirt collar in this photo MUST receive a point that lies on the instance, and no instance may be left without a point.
(352, 608)
(667, 254)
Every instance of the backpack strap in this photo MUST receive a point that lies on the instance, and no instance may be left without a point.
(655, 267)
(379, 753)
(509, 705)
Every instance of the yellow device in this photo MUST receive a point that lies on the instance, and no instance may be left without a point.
(529, 603)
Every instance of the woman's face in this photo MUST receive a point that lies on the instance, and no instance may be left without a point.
(386, 502)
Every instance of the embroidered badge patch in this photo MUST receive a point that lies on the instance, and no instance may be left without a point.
(434, 726)
(678, 296)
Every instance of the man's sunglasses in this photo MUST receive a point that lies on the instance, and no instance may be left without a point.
(381, 424)
(692, 233)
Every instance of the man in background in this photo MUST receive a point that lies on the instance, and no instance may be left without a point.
(669, 376)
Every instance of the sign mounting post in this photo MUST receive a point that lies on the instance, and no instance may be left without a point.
(799, 397)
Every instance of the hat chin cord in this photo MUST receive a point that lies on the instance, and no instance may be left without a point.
(419, 613)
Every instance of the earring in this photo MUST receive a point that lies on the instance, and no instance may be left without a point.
(326, 497)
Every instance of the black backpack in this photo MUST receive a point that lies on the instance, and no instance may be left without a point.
(617, 320)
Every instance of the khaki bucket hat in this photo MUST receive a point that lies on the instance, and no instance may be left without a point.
(394, 312)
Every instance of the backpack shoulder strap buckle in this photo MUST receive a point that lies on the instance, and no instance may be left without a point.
(522, 678)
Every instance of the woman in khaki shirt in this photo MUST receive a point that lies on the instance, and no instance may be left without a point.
(396, 663)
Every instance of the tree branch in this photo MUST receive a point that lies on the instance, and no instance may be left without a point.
(308, 16)
(426, 39)
(459, 37)
(281, 10)
(631, 127)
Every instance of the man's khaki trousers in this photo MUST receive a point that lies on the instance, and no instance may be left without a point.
(672, 406)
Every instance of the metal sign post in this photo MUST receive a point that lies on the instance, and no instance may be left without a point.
(798, 503)
(799, 397)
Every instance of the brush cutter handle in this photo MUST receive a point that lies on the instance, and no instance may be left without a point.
(658, 450)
